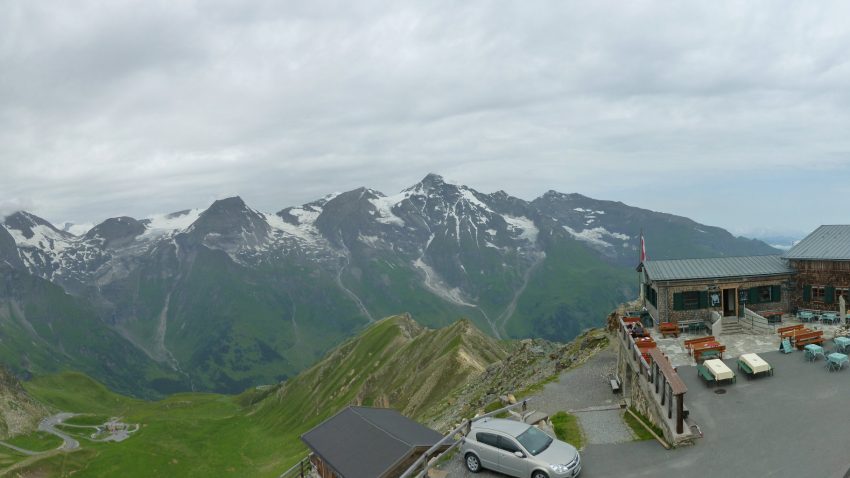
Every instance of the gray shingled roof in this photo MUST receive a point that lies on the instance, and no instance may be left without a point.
(716, 267)
(826, 242)
(363, 442)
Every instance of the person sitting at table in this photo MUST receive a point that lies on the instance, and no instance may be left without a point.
(637, 331)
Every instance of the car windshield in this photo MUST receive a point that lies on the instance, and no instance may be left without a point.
(534, 440)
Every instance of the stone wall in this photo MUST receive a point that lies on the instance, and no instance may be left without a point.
(640, 393)
(665, 313)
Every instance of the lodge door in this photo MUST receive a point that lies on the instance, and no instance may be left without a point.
(730, 302)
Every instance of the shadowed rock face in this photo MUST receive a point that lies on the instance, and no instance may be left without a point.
(116, 231)
(24, 222)
(19, 413)
(229, 223)
(8, 250)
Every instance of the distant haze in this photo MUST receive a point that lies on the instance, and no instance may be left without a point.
(733, 114)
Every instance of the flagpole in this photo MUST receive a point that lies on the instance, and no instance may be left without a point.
(642, 294)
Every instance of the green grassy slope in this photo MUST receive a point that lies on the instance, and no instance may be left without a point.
(45, 330)
(569, 292)
(395, 362)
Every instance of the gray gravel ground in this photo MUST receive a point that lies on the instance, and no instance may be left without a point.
(605, 426)
(582, 387)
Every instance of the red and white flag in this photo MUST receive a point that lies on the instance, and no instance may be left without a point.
(642, 249)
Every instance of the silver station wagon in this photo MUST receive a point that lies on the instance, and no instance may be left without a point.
(518, 449)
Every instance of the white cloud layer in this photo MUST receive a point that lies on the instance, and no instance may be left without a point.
(712, 110)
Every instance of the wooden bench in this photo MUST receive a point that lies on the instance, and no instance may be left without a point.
(790, 334)
(669, 328)
(699, 355)
(787, 328)
(689, 343)
(709, 354)
(802, 340)
(705, 374)
(772, 316)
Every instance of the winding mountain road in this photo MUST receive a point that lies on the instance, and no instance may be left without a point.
(49, 425)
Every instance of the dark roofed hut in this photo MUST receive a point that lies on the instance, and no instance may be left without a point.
(364, 442)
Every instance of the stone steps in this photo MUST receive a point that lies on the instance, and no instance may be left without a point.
(732, 328)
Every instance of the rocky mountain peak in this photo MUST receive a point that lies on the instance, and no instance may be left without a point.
(229, 223)
(26, 223)
(116, 231)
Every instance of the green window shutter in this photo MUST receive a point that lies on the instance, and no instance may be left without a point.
(754, 295)
(807, 293)
(829, 294)
(776, 293)
(703, 300)
(678, 301)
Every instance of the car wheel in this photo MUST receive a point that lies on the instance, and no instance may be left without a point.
(539, 474)
(472, 463)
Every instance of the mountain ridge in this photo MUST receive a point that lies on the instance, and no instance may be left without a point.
(230, 297)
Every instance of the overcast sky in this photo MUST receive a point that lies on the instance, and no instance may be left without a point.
(733, 114)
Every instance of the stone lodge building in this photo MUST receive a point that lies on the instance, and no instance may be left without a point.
(811, 275)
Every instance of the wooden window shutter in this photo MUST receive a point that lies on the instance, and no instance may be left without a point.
(678, 301)
(828, 294)
(776, 293)
(753, 295)
(807, 293)
(703, 300)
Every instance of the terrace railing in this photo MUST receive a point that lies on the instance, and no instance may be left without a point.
(302, 469)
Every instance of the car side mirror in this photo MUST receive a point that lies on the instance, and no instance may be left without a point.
(519, 454)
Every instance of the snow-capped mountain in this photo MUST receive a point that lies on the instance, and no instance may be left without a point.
(229, 296)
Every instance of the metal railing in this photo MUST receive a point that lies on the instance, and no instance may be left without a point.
(302, 469)
(420, 467)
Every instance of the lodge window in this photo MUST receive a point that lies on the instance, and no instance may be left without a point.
(818, 293)
(691, 299)
(764, 294)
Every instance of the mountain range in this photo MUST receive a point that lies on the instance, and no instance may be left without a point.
(229, 297)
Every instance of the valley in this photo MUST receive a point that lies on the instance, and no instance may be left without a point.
(434, 375)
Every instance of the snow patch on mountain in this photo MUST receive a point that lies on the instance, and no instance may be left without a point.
(384, 207)
(596, 235)
(305, 231)
(528, 230)
(306, 215)
(434, 284)
(164, 224)
(44, 238)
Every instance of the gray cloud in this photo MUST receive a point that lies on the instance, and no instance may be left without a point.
(138, 107)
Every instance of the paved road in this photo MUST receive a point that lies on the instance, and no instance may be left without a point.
(791, 424)
(49, 425)
(19, 450)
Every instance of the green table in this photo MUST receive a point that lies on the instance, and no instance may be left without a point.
(813, 351)
(836, 361)
(842, 343)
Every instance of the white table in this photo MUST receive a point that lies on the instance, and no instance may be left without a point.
(719, 369)
(756, 363)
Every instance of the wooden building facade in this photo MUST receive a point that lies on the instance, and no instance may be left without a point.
(822, 265)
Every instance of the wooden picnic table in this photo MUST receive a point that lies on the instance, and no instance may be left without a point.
(719, 370)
